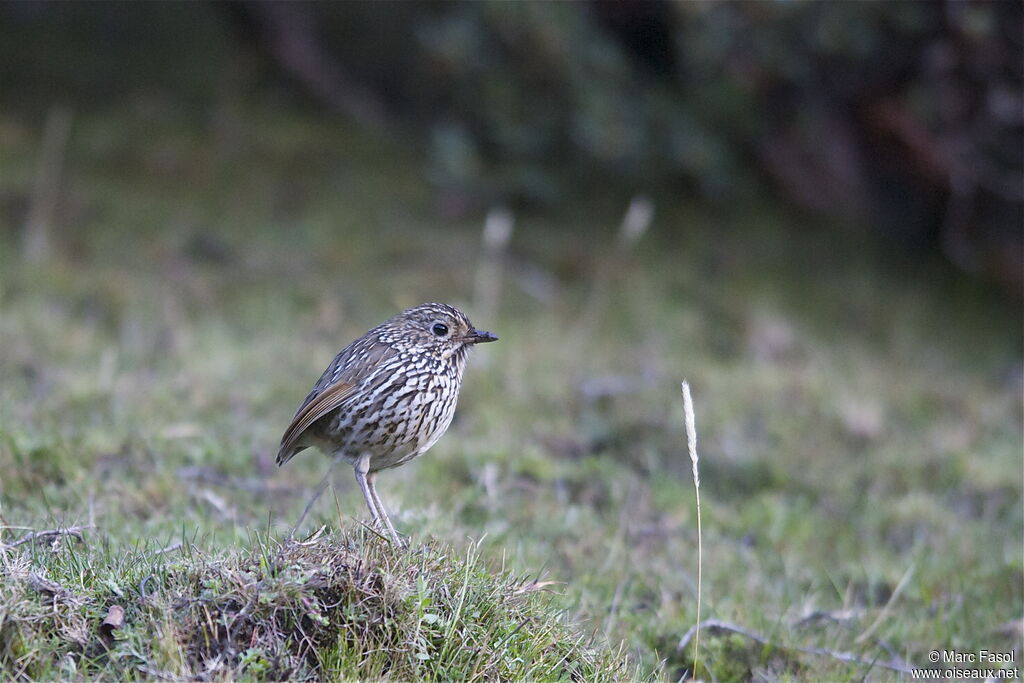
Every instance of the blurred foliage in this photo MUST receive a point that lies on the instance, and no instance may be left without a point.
(906, 117)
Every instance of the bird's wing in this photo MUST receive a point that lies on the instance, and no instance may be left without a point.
(339, 382)
(322, 403)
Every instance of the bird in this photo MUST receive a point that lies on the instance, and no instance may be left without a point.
(386, 398)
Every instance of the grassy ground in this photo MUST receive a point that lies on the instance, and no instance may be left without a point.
(860, 424)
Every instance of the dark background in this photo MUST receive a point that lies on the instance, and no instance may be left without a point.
(897, 119)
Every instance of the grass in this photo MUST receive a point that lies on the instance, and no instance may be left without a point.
(334, 606)
(860, 420)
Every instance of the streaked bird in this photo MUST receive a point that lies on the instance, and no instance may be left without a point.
(386, 398)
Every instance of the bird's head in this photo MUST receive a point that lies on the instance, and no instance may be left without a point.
(437, 329)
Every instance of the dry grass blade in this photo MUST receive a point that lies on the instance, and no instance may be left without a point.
(636, 221)
(535, 585)
(691, 440)
(487, 285)
(904, 580)
(634, 226)
(37, 239)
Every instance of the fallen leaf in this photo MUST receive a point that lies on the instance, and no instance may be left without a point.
(113, 620)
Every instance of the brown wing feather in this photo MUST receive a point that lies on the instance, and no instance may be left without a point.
(339, 382)
(312, 411)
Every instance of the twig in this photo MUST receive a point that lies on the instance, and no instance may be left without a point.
(42, 584)
(169, 549)
(75, 531)
(848, 657)
(691, 440)
(838, 617)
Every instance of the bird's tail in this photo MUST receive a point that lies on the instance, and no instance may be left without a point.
(286, 454)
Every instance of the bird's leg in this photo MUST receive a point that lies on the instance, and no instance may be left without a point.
(362, 467)
(320, 488)
(371, 481)
(365, 479)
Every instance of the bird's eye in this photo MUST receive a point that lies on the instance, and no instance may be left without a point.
(440, 329)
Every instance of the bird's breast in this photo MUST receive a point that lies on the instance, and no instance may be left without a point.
(399, 413)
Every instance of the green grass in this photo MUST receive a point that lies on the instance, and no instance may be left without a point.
(334, 606)
(859, 417)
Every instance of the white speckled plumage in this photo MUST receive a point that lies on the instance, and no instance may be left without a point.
(387, 397)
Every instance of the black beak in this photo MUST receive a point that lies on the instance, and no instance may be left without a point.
(479, 337)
